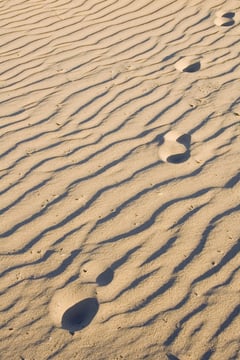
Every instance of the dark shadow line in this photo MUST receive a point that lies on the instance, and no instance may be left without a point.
(163, 249)
(188, 215)
(146, 191)
(118, 263)
(31, 218)
(111, 101)
(187, 317)
(230, 71)
(90, 102)
(204, 237)
(179, 304)
(201, 124)
(234, 251)
(163, 288)
(172, 357)
(34, 137)
(233, 315)
(136, 45)
(71, 232)
(63, 266)
(77, 212)
(135, 283)
(207, 355)
(74, 214)
(153, 217)
(220, 131)
(10, 124)
(236, 102)
(96, 153)
(226, 282)
(29, 191)
(162, 112)
(39, 261)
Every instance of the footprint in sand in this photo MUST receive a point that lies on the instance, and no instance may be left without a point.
(95, 272)
(74, 307)
(188, 64)
(175, 148)
(224, 18)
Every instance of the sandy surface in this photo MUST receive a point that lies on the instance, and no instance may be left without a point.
(119, 192)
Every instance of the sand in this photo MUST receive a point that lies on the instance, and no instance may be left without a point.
(119, 191)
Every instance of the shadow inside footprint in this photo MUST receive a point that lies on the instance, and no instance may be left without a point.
(105, 277)
(230, 22)
(175, 148)
(185, 140)
(193, 67)
(80, 314)
(225, 19)
(229, 15)
(178, 158)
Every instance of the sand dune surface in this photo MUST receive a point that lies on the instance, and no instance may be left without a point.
(119, 191)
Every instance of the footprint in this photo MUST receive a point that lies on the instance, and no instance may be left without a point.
(80, 314)
(224, 18)
(95, 272)
(105, 277)
(74, 307)
(188, 64)
(175, 148)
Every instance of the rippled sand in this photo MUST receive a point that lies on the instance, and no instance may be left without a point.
(119, 191)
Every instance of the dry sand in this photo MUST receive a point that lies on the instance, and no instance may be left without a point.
(119, 127)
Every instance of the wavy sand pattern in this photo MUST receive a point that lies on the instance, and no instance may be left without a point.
(119, 229)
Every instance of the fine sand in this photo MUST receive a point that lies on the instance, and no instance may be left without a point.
(119, 191)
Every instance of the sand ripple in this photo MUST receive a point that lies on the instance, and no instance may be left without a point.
(119, 139)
